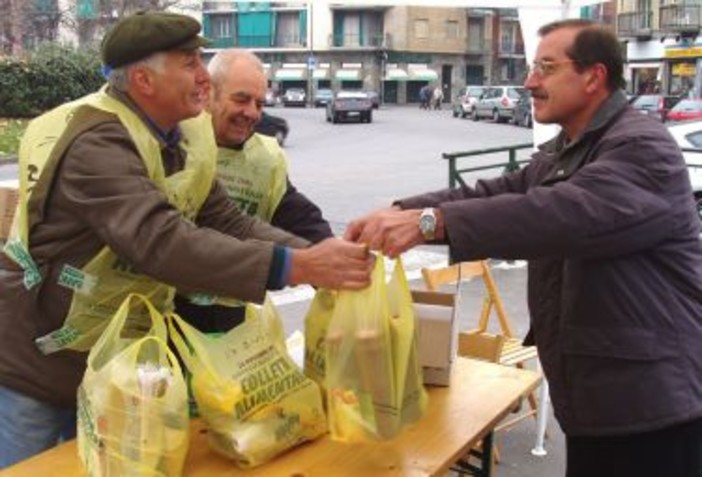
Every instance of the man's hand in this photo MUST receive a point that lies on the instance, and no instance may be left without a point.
(332, 263)
(390, 230)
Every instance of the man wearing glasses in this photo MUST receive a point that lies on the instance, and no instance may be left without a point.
(604, 214)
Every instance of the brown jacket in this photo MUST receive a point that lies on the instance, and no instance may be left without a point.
(102, 195)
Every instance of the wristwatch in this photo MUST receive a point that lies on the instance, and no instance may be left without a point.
(427, 224)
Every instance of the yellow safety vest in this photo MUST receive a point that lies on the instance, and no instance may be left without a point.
(255, 177)
(105, 281)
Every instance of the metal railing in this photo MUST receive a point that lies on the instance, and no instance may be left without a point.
(681, 18)
(634, 24)
(512, 163)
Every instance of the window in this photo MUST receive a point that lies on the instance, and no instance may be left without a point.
(508, 35)
(421, 28)
(221, 26)
(451, 29)
(288, 29)
(695, 138)
(352, 30)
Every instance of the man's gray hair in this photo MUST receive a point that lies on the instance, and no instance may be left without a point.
(119, 77)
(221, 63)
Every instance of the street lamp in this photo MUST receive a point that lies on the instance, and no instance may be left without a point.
(311, 61)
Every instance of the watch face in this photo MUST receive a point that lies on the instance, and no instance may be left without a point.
(427, 224)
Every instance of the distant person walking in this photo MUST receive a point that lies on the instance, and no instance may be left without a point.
(425, 97)
(437, 97)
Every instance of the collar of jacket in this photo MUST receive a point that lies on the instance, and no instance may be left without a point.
(568, 157)
(165, 138)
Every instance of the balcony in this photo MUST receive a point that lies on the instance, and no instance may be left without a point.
(218, 6)
(292, 40)
(681, 19)
(355, 40)
(477, 47)
(509, 49)
(635, 24)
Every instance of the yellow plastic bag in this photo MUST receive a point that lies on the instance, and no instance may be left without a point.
(132, 402)
(254, 399)
(373, 377)
(316, 324)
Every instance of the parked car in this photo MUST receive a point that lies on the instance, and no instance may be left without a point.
(374, 98)
(465, 101)
(522, 111)
(689, 136)
(271, 98)
(294, 97)
(274, 126)
(322, 97)
(350, 105)
(655, 105)
(497, 102)
(686, 109)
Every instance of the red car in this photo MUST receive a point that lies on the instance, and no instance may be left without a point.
(686, 109)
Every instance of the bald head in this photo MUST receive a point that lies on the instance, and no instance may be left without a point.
(231, 62)
(238, 91)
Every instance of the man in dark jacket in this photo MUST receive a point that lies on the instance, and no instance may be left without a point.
(253, 169)
(605, 215)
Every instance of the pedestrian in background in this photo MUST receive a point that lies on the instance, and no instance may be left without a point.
(437, 97)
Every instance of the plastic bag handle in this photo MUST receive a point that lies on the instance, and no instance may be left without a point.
(120, 317)
(172, 359)
(190, 350)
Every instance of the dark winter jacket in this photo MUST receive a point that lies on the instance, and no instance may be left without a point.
(609, 227)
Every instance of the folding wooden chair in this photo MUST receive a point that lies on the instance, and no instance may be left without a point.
(513, 352)
(486, 347)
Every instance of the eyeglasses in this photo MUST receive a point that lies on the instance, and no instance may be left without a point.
(546, 68)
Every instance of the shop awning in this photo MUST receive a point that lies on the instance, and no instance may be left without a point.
(290, 74)
(395, 74)
(422, 74)
(644, 65)
(348, 75)
(320, 73)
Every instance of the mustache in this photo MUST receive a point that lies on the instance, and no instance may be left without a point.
(539, 94)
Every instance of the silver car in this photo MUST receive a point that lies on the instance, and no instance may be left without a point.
(497, 103)
(294, 97)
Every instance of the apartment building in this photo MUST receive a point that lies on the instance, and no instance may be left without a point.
(394, 50)
(664, 51)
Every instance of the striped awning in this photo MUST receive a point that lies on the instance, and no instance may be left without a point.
(422, 74)
(290, 74)
(396, 74)
(348, 75)
(320, 73)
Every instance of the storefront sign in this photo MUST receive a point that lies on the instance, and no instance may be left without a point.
(691, 52)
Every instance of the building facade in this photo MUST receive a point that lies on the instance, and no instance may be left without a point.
(394, 50)
(664, 51)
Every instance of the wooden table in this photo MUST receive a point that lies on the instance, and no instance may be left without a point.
(458, 416)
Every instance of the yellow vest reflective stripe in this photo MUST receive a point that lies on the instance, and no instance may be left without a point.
(102, 284)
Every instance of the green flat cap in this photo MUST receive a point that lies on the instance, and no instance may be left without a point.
(138, 36)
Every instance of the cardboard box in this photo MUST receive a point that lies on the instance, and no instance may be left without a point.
(8, 203)
(437, 323)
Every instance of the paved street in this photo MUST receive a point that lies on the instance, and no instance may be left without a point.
(350, 169)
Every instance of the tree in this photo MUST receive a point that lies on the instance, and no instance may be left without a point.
(26, 24)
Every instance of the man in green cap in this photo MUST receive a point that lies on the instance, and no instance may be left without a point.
(118, 196)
